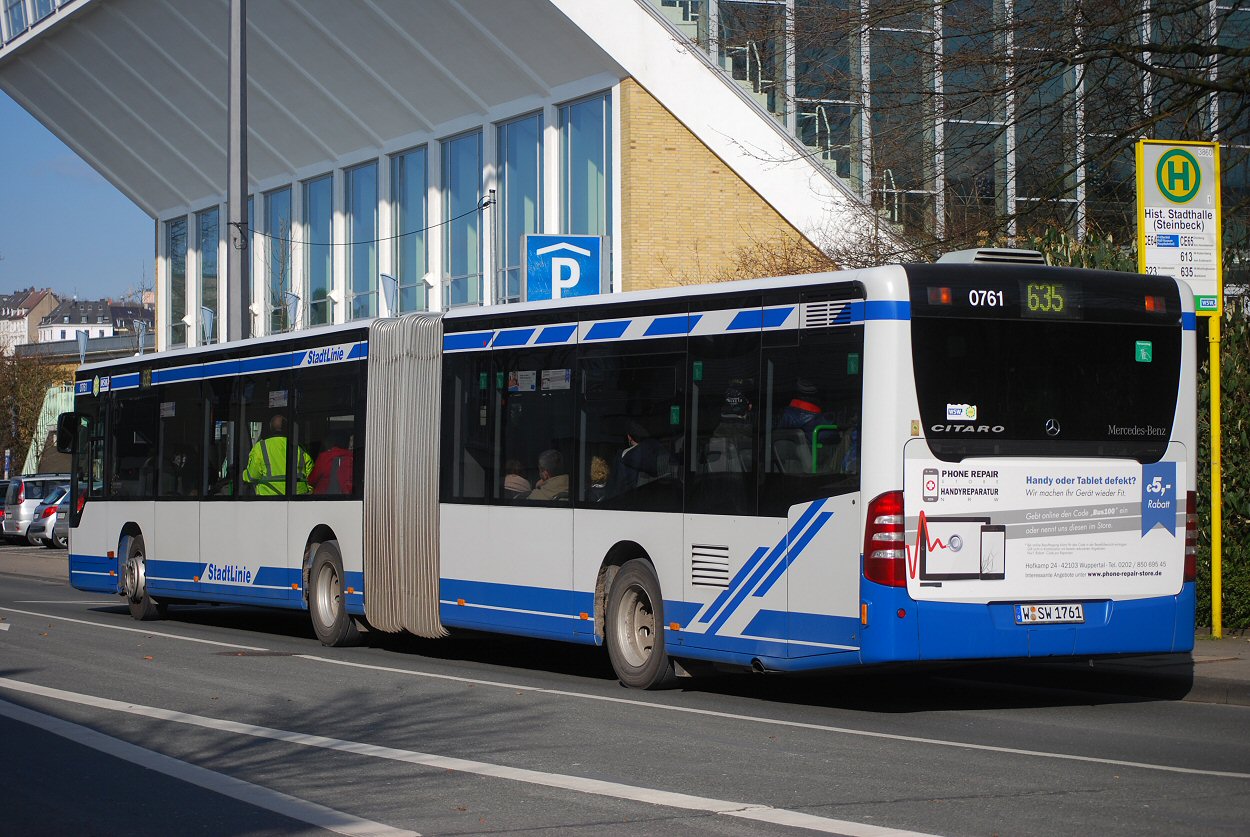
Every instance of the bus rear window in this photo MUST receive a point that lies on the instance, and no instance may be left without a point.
(1005, 383)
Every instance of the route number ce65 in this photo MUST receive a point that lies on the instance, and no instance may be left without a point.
(986, 299)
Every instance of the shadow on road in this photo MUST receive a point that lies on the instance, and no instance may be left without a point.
(921, 687)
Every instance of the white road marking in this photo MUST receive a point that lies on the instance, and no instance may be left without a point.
(4, 626)
(598, 787)
(712, 713)
(113, 601)
(144, 631)
(271, 800)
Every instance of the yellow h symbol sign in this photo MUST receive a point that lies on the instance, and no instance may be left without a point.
(1178, 176)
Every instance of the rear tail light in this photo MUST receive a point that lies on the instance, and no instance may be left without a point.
(49, 511)
(21, 493)
(1191, 535)
(885, 545)
(82, 501)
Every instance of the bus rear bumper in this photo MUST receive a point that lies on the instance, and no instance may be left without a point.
(956, 631)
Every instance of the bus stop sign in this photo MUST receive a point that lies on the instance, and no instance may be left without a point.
(1178, 216)
(562, 266)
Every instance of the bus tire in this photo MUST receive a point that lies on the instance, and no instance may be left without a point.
(327, 605)
(134, 582)
(635, 628)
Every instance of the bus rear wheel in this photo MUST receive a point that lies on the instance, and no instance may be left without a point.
(326, 602)
(134, 583)
(635, 628)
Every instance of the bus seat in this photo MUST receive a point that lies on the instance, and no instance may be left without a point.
(791, 454)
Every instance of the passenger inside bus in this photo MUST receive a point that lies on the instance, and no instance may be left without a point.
(514, 482)
(730, 449)
(553, 480)
(332, 471)
(600, 474)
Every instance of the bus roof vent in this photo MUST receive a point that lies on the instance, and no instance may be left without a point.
(993, 255)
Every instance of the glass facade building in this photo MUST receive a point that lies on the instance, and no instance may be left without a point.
(958, 118)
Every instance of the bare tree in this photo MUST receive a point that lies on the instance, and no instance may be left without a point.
(971, 121)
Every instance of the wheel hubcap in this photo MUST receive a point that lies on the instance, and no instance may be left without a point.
(329, 593)
(133, 578)
(635, 625)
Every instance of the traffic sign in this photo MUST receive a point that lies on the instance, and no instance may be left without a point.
(562, 266)
(1178, 217)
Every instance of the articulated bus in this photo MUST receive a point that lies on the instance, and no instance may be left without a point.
(905, 463)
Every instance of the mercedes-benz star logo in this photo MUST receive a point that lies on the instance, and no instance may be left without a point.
(1052, 427)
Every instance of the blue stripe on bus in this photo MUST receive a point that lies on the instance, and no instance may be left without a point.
(742, 573)
(131, 379)
(513, 337)
(169, 376)
(755, 319)
(1189, 321)
(359, 351)
(792, 554)
(555, 334)
(467, 340)
(672, 326)
(804, 627)
(511, 596)
(219, 369)
(96, 573)
(271, 363)
(761, 569)
(886, 309)
(607, 330)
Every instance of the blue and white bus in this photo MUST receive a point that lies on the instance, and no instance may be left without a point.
(921, 462)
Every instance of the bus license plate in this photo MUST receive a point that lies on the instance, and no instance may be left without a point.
(1052, 614)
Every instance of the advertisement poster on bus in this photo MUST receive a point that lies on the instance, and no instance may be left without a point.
(985, 530)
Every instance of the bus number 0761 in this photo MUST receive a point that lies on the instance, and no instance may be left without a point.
(991, 299)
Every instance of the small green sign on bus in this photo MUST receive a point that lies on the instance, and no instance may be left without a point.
(1145, 351)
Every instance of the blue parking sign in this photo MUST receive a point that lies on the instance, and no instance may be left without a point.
(562, 266)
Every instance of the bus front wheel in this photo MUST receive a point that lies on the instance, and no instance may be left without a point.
(326, 603)
(134, 583)
(635, 628)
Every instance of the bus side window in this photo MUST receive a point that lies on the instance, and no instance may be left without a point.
(266, 466)
(326, 427)
(132, 445)
(180, 448)
(467, 446)
(724, 421)
(534, 400)
(221, 470)
(813, 397)
(632, 419)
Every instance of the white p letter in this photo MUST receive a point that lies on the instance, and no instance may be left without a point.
(560, 279)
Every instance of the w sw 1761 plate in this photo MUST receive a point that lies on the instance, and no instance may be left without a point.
(1049, 614)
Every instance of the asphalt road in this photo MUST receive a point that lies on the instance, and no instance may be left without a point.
(226, 720)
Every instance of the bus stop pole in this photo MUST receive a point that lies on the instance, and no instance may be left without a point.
(1217, 482)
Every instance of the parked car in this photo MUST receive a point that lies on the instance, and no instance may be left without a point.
(23, 497)
(40, 529)
(60, 529)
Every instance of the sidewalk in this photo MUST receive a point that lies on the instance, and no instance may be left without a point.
(1217, 672)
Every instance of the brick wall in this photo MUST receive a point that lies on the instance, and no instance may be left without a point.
(685, 214)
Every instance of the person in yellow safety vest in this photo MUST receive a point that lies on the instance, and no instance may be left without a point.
(266, 463)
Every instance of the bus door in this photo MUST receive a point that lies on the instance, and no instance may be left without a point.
(173, 559)
(243, 542)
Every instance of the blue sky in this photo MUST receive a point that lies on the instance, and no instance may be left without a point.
(62, 226)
